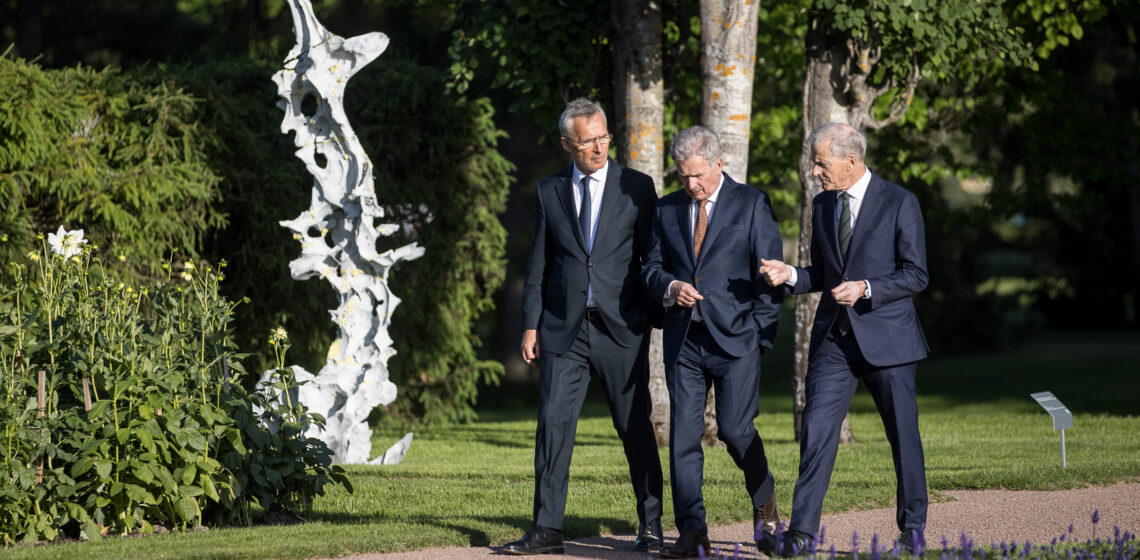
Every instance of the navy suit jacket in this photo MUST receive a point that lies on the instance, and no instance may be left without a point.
(888, 250)
(740, 309)
(559, 268)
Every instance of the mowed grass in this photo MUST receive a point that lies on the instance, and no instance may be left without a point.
(472, 485)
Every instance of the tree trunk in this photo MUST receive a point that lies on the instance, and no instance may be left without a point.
(822, 104)
(728, 56)
(639, 119)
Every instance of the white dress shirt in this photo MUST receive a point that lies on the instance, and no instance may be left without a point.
(856, 193)
(597, 187)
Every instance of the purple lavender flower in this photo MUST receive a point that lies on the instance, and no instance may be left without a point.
(822, 534)
(832, 552)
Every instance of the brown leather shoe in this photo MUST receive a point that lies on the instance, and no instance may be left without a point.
(766, 517)
(765, 520)
(688, 545)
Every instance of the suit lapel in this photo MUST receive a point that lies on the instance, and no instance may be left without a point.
(610, 194)
(565, 192)
(686, 227)
(724, 202)
(828, 211)
(868, 214)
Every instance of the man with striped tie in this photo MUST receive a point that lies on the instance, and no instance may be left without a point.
(868, 256)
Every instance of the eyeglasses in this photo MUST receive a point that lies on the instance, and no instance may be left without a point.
(588, 143)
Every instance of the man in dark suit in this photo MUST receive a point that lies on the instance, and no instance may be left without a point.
(585, 313)
(720, 315)
(868, 256)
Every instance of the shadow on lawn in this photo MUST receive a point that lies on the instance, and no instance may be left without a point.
(574, 526)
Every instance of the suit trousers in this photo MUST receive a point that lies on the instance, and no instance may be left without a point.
(624, 374)
(833, 375)
(701, 364)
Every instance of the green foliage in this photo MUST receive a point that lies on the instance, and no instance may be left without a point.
(101, 150)
(945, 39)
(543, 53)
(438, 169)
(431, 151)
(170, 438)
(262, 183)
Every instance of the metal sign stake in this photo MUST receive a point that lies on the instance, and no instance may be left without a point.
(1062, 418)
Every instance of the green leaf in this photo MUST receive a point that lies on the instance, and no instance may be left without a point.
(90, 531)
(81, 466)
(187, 509)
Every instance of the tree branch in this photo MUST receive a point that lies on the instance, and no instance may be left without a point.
(900, 104)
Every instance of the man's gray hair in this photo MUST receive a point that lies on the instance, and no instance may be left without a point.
(695, 141)
(845, 140)
(580, 107)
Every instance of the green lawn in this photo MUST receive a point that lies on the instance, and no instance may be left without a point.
(472, 485)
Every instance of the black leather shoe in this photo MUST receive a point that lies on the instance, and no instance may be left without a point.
(687, 546)
(648, 537)
(795, 543)
(765, 520)
(911, 541)
(538, 540)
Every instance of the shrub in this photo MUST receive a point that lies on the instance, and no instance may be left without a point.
(143, 419)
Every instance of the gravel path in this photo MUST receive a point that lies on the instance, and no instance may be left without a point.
(986, 516)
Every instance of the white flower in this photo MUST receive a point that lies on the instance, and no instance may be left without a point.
(66, 243)
(187, 277)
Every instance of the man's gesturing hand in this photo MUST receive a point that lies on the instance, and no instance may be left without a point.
(775, 272)
(684, 293)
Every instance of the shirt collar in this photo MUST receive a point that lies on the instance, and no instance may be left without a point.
(715, 195)
(599, 175)
(859, 189)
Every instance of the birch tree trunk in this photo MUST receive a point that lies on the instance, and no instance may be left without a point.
(639, 119)
(728, 56)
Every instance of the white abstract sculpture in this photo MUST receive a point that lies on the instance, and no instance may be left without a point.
(338, 236)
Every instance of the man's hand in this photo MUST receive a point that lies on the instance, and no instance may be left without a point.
(684, 293)
(775, 272)
(848, 293)
(530, 346)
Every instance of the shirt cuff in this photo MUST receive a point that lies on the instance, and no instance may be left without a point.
(867, 292)
(669, 300)
(792, 276)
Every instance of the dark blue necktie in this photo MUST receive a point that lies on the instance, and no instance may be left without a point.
(584, 211)
(844, 223)
(843, 321)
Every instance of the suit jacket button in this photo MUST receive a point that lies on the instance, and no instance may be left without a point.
(591, 265)
(583, 292)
